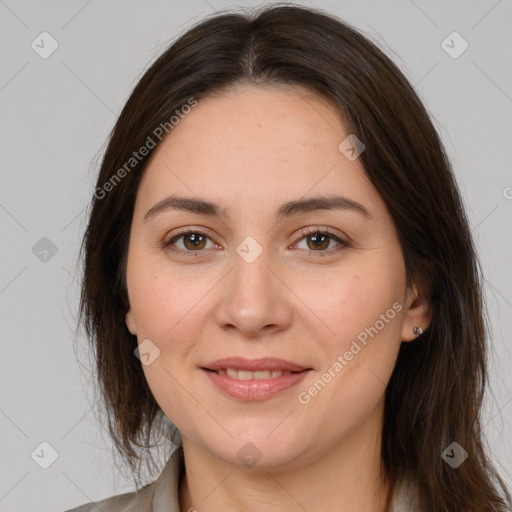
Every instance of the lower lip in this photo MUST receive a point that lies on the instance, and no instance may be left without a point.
(255, 389)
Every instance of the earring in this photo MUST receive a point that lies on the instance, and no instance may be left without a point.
(417, 330)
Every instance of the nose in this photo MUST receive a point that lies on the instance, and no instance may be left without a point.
(254, 300)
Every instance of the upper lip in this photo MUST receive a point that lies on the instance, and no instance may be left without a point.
(265, 363)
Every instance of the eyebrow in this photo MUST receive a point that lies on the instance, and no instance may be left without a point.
(289, 209)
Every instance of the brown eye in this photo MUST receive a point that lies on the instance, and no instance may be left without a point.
(319, 240)
(192, 241)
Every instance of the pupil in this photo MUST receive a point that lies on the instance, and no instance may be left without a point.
(195, 238)
(316, 237)
(318, 240)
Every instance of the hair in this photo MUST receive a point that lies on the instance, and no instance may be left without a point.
(435, 393)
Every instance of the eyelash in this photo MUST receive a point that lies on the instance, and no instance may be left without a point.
(168, 243)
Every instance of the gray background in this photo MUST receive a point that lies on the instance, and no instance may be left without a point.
(56, 114)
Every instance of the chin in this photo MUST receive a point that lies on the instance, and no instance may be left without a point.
(260, 447)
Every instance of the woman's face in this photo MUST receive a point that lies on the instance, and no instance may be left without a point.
(259, 279)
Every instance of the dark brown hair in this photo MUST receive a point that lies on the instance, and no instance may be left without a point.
(435, 393)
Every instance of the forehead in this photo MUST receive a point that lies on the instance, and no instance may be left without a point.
(256, 145)
(259, 120)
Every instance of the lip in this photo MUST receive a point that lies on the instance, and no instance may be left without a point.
(254, 389)
(254, 365)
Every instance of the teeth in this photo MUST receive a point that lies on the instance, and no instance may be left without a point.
(265, 374)
(246, 375)
(232, 373)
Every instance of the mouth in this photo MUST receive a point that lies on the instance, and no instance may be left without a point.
(238, 374)
(256, 379)
(264, 364)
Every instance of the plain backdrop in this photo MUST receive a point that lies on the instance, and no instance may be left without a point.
(56, 113)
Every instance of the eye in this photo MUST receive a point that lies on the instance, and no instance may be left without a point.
(319, 240)
(192, 241)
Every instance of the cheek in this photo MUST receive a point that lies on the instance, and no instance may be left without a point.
(362, 308)
(166, 309)
(170, 309)
(351, 301)
(161, 300)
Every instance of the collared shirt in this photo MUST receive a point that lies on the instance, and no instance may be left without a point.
(162, 495)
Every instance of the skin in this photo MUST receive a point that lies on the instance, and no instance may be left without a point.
(251, 149)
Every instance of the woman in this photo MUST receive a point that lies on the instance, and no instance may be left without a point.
(278, 263)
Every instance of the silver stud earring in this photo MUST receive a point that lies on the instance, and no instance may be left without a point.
(417, 330)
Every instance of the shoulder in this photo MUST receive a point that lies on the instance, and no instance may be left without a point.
(160, 495)
(131, 501)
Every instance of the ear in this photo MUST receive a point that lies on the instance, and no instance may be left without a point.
(130, 322)
(418, 311)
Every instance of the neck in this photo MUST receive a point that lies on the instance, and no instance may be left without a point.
(348, 477)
